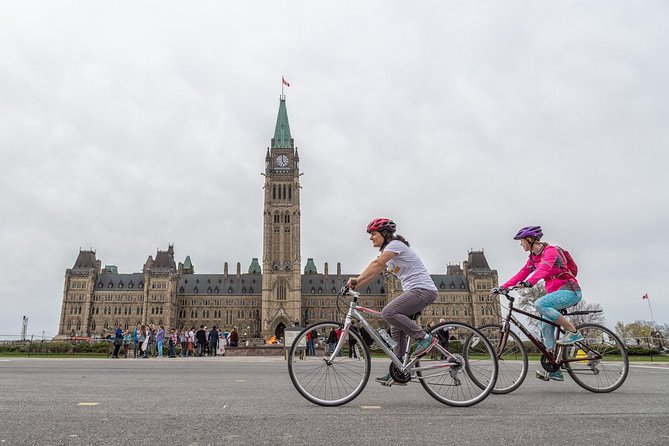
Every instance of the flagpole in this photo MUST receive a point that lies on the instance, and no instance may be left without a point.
(652, 319)
(281, 87)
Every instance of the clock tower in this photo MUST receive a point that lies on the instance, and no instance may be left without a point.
(281, 279)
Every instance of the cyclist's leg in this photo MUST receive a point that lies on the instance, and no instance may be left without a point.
(397, 312)
(548, 307)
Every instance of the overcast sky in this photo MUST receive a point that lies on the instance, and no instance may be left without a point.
(128, 126)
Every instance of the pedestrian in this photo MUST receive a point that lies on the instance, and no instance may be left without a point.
(160, 339)
(127, 339)
(352, 349)
(172, 342)
(213, 341)
(144, 337)
(191, 341)
(201, 338)
(221, 344)
(136, 334)
(184, 343)
(234, 338)
(332, 340)
(151, 333)
(118, 340)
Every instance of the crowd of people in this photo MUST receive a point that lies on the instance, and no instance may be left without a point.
(149, 341)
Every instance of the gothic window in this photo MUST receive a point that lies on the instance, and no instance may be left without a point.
(93, 326)
(281, 291)
(290, 193)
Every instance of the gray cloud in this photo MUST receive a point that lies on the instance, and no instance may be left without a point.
(124, 129)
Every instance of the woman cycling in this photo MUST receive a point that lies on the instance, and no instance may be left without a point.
(418, 288)
(562, 289)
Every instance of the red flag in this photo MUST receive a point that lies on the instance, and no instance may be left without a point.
(285, 82)
(644, 297)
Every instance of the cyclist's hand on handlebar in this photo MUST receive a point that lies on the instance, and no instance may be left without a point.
(500, 290)
(352, 282)
(524, 284)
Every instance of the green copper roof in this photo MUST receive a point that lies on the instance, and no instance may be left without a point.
(112, 269)
(311, 267)
(187, 262)
(255, 266)
(282, 139)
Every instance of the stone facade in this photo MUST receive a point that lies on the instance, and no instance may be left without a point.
(262, 301)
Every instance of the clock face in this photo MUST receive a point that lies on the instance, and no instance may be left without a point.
(282, 160)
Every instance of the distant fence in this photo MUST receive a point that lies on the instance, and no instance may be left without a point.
(87, 346)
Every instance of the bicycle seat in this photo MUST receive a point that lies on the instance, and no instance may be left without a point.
(414, 316)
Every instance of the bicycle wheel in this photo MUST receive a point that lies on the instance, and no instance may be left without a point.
(464, 360)
(325, 382)
(599, 362)
(511, 361)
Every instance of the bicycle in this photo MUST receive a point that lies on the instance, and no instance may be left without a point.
(598, 363)
(332, 378)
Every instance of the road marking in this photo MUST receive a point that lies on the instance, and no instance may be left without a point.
(87, 404)
(370, 407)
(657, 367)
(240, 380)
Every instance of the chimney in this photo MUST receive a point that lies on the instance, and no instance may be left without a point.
(239, 270)
(225, 270)
(338, 269)
(325, 269)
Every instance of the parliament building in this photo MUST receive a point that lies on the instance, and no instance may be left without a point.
(261, 300)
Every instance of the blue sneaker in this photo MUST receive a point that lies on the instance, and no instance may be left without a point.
(570, 338)
(425, 345)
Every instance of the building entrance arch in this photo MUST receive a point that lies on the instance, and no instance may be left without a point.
(280, 331)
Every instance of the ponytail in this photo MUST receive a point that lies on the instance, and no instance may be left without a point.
(389, 237)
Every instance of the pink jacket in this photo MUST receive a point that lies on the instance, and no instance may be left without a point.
(547, 265)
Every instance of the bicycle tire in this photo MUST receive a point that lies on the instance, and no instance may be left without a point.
(603, 365)
(468, 354)
(512, 362)
(323, 383)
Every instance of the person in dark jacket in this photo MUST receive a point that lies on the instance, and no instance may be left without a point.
(201, 339)
(213, 341)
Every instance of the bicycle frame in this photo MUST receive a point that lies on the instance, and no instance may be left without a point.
(552, 357)
(407, 364)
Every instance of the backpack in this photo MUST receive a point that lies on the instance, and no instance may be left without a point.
(570, 264)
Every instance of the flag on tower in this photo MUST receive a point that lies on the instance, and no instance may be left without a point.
(644, 297)
(285, 82)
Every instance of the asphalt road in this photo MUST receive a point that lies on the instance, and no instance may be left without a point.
(244, 401)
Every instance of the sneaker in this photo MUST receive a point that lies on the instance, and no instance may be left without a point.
(549, 376)
(388, 381)
(425, 345)
(570, 338)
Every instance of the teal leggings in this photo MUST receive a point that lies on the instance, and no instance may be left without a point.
(548, 307)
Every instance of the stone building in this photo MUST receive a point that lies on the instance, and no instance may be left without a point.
(261, 301)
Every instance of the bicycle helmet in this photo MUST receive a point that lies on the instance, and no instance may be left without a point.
(381, 224)
(529, 231)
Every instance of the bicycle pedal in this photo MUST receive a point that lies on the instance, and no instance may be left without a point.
(542, 376)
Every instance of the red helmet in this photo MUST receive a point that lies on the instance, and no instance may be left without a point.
(381, 224)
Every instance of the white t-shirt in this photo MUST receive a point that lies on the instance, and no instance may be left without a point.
(408, 267)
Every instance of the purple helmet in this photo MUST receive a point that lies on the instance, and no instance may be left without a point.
(529, 231)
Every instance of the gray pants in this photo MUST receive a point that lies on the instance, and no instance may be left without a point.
(397, 313)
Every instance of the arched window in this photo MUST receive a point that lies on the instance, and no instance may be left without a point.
(281, 291)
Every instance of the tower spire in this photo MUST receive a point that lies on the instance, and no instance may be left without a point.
(282, 138)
